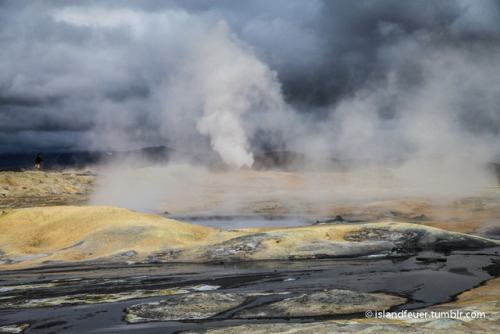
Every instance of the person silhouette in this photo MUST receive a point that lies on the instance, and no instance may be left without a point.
(38, 161)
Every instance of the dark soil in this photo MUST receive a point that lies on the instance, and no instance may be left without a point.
(423, 283)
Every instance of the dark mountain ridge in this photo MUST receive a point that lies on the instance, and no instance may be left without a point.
(82, 159)
(273, 160)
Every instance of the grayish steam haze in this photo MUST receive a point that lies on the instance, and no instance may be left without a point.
(384, 80)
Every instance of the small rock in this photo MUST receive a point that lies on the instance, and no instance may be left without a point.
(421, 218)
(126, 255)
(184, 307)
(13, 328)
(165, 256)
(323, 303)
(337, 219)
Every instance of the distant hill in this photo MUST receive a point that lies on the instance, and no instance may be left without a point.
(284, 160)
(273, 160)
(495, 168)
(294, 161)
(52, 160)
(82, 159)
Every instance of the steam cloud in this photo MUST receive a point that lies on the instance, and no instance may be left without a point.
(213, 81)
(232, 82)
(365, 80)
(380, 79)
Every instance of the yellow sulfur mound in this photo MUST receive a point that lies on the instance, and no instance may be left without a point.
(70, 233)
(101, 230)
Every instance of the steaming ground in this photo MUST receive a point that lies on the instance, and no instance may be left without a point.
(462, 199)
(379, 220)
(405, 189)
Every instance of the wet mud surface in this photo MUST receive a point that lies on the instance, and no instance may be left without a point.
(92, 297)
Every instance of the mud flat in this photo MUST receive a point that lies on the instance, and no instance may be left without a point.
(275, 296)
(261, 296)
(475, 311)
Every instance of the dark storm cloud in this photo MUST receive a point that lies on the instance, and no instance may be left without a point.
(8, 101)
(350, 38)
(355, 74)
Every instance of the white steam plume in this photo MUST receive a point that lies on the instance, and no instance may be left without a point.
(232, 82)
(200, 82)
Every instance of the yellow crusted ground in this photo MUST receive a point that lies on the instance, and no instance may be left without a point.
(72, 233)
(107, 230)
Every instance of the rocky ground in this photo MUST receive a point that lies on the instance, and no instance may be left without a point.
(35, 188)
(94, 265)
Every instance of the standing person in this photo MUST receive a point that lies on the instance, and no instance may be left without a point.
(38, 161)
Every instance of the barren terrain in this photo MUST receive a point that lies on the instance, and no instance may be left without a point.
(407, 242)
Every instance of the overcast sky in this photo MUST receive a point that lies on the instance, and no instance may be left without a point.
(343, 78)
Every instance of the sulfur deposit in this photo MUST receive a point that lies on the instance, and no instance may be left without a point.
(69, 233)
(72, 233)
